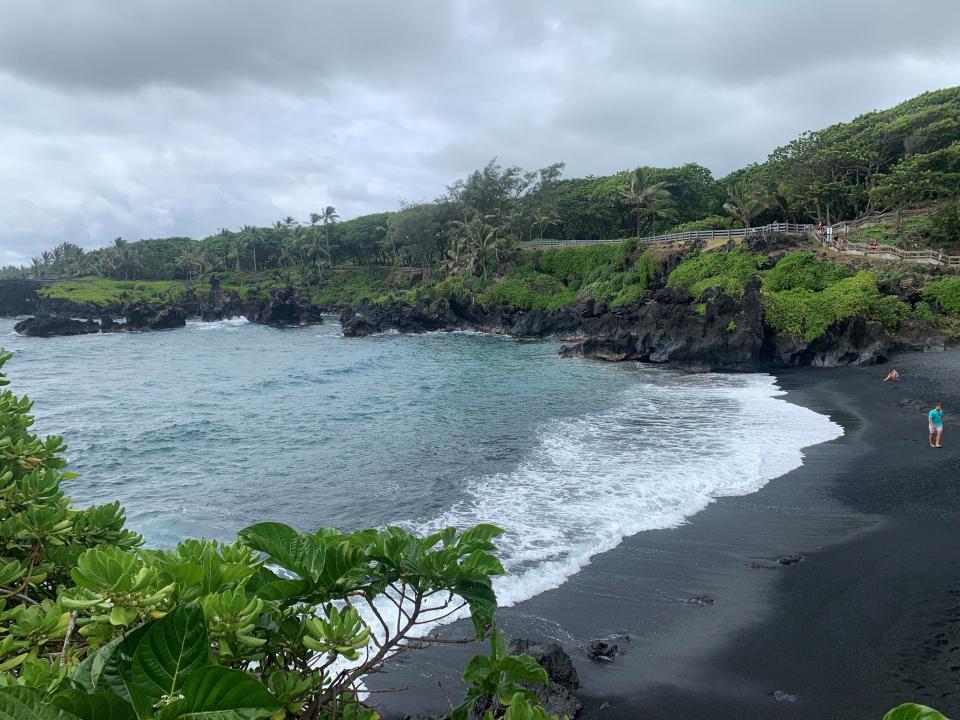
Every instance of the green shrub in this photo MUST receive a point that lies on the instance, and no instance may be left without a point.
(945, 223)
(889, 310)
(576, 266)
(945, 292)
(353, 286)
(802, 270)
(807, 314)
(701, 308)
(711, 222)
(529, 290)
(922, 311)
(101, 292)
(727, 270)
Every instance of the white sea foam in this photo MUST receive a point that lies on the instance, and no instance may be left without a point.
(220, 324)
(673, 446)
(660, 457)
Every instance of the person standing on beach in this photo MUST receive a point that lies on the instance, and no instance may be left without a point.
(935, 424)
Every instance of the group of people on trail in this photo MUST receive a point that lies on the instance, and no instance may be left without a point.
(934, 417)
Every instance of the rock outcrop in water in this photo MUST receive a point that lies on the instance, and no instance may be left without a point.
(52, 326)
(286, 306)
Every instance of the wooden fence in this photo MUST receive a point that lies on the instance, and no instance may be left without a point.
(924, 257)
(691, 236)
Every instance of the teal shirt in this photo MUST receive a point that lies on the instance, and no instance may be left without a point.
(936, 417)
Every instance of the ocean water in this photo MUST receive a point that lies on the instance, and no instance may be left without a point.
(205, 430)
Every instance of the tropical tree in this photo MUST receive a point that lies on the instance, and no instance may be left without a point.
(415, 232)
(746, 201)
(543, 220)
(478, 236)
(328, 217)
(236, 250)
(647, 198)
(249, 234)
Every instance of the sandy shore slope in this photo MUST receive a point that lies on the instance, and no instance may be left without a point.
(869, 618)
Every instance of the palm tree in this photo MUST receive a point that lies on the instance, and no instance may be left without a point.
(478, 237)
(647, 198)
(328, 217)
(457, 256)
(249, 233)
(237, 246)
(746, 201)
(543, 221)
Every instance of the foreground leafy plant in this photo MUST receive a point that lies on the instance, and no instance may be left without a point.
(279, 624)
(912, 711)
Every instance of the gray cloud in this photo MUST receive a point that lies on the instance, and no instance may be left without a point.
(147, 118)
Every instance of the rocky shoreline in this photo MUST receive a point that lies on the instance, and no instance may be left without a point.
(52, 317)
(716, 332)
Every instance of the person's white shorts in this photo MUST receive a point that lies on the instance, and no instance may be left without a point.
(934, 428)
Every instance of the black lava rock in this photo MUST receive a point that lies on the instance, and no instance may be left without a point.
(53, 326)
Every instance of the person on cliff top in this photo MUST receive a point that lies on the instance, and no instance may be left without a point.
(892, 375)
(935, 424)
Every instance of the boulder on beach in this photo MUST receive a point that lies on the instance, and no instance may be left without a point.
(556, 696)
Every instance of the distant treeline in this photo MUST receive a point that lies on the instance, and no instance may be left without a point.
(885, 160)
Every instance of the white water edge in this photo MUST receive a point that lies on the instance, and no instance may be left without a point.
(656, 460)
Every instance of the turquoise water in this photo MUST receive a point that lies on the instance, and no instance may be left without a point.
(205, 430)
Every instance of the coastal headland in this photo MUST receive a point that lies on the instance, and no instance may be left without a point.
(833, 592)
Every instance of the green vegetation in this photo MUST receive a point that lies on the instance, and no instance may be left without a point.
(729, 271)
(529, 290)
(101, 292)
(806, 313)
(279, 624)
(945, 292)
(711, 222)
(351, 287)
(802, 270)
(909, 234)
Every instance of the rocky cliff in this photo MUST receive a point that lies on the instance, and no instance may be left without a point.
(717, 332)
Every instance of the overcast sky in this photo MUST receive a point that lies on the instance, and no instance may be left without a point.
(150, 118)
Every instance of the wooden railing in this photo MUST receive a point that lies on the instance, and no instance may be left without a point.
(689, 237)
(925, 257)
(882, 218)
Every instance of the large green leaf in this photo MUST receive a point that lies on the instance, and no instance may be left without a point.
(99, 706)
(107, 668)
(522, 668)
(295, 551)
(912, 711)
(218, 693)
(482, 600)
(283, 591)
(171, 648)
(340, 557)
(24, 703)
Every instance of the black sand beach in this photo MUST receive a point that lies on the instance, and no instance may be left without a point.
(868, 619)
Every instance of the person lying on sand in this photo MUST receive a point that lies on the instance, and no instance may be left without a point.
(892, 375)
(935, 424)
